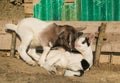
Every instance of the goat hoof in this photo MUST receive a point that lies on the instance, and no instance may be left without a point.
(41, 63)
(32, 63)
(53, 72)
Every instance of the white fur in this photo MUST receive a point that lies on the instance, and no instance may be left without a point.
(70, 61)
(85, 50)
(29, 30)
(35, 33)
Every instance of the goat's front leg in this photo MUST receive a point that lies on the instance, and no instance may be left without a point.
(42, 59)
(73, 73)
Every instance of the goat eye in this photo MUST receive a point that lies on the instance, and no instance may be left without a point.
(83, 42)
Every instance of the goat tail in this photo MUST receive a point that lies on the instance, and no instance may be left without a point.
(12, 27)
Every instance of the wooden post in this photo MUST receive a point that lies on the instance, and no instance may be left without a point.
(99, 43)
(13, 42)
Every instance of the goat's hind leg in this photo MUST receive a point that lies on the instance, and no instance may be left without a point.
(23, 48)
(41, 61)
(33, 54)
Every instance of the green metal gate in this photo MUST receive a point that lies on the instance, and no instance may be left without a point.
(100, 10)
(83, 10)
(48, 9)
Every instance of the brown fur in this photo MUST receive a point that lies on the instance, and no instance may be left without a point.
(64, 36)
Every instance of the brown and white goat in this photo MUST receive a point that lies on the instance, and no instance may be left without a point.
(35, 33)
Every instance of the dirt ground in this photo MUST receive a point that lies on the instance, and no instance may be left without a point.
(13, 70)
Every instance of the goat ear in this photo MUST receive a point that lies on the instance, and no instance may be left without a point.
(70, 40)
(61, 34)
(91, 37)
(79, 34)
(54, 24)
(80, 28)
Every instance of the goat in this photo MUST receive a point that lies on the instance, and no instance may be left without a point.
(35, 33)
(74, 63)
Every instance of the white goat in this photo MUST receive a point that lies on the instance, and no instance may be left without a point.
(75, 63)
(35, 33)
